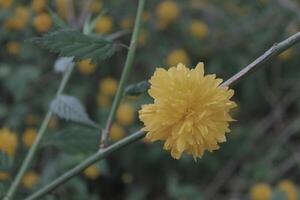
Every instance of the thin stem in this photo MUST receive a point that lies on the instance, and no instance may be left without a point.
(89, 161)
(125, 73)
(275, 50)
(103, 153)
(14, 186)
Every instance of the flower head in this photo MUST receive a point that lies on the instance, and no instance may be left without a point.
(42, 23)
(18, 20)
(29, 136)
(198, 29)
(167, 11)
(108, 86)
(177, 56)
(127, 23)
(190, 110)
(13, 48)
(4, 176)
(38, 5)
(116, 132)
(30, 179)
(261, 191)
(125, 114)
(92, 172)
(5, 3)
(289, 188)
(8, 141)
(104, 25)
(86, 67)
(96, 6)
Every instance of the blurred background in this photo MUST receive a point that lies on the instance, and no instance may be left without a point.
(259, 161)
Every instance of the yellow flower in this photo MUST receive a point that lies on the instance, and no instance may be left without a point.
(104, 25)
(4, 176)
(289, 188)
(42, 22)
(5, 3)
(38, 5)
(31, 120)
(125, 114)
(177, 56)
(29, 136)
(13, 48)
(127, 23)
(108, 86)
(86, 67)
(30, 179)
(8, 141)
(198, 29)
(95, 6)
(142, 37)
(116, 132)
(261, 191)
(286, 55)
(167, 11)
(190, 110)
(103, 100)
(127, 178)
(19, 19)
(92, 172)
(61, 7)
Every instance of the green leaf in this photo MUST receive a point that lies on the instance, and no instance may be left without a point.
(70, 108)
(137, 88)
(75, 140)
(73, 43)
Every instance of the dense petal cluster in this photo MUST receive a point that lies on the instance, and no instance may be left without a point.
(190, 110)
(261, 191)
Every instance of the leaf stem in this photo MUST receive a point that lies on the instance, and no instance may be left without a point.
(125, 73)
(32, 151)
(89, 161)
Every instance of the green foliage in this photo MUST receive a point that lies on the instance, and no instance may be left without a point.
(73, 43)
(137, 88)
(5, 162)
(75, 140)
(70, 108)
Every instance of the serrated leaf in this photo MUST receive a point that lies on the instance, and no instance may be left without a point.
(73, 43)
(75, 140)
(137, 88)
(69, 108)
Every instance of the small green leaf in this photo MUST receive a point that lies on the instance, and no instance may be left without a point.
(137, 88)
(73, 43)
(75, 140)
(70, 108)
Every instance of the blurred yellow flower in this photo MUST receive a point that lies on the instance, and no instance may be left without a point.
(30, 179)
(261, 191)
(142, 37)
(146, 16)
(167, 11)
(13, 48)
(19, 19)
(198, 29)
(42, 22)
(104, 25)
(29, 136)
(8, 141)
(38, 5)
(86, 67)
(108, 86)
(125, 114)
(4, 176)
(286, 55)
(116, 132)
(103, 100)
(95, 6)
(127, 178)
(92, 172)
(190, 111)
(31, 120)
(127, 23)
(177, 56)
(61, 7)
(289, 188)
(5, 3)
